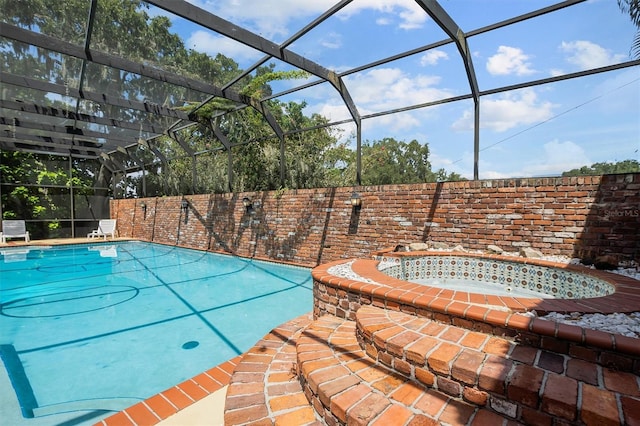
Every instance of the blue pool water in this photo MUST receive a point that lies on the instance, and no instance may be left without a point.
(103, 326)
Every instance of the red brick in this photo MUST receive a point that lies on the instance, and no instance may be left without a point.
(425, 376)
(599, 407)
(524, 354)
(452, 334)
(582, 370)
(367, 409)
(397, 344)
(242, 401)
(287, 402)
(497, 346)
(474, 340)
(431, 402)
(631, 410)
(161, 406)
(389, 383)
(177, 398)
(456, 412)
(440, 359)
(524, 385)
(402, 366)
(141, 414)
(465, 367)
(327, 390)
(551, 362)
(417, 352)
(422, 420)
(530, 416)
(381, 337)
(192, 389)
(625, 383)
(245, 415)
(407, 393)
(118, 419)
(493, 374)
(448, 386)
(475, 396)
(304, 415)
(395, 415)
(317, 378)
(560, 396)
(486, 418)
(341, 403)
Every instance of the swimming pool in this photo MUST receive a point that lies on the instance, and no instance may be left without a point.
(103, 326)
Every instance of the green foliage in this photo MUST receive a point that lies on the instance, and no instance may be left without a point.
(259, 87)
(626, 166)
(310, 159)
(632, 8)
(390, 161)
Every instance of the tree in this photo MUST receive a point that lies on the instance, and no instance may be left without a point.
(632, 7)
(626, 166)
(388, 161)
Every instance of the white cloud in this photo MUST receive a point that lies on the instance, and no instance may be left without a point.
(212, 44)
(271, 18)
(394, 88)
(509, 60)
(378, 90)
(587, 55)
(510, 110)
(557, 157)
(268, 18)
(331, 41)
(408, 12)
(554, 158)
(432, 57)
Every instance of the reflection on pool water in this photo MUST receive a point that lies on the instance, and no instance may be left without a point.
(103, 326)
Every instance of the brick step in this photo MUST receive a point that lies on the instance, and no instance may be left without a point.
(345, 386)
(264, 388)
(522, 383)
(353, 379)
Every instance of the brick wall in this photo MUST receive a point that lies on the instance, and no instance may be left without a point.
(577, 216)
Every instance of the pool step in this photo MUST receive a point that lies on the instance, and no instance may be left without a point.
(389, 367)
(522, 383)
(346, 386)
(264, 388)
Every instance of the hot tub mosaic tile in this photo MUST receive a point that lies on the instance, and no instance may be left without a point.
(553, 282)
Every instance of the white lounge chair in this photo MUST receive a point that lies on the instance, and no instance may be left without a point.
(13, 229)
(105, 227)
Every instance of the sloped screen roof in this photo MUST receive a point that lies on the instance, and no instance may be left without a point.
(509, 79)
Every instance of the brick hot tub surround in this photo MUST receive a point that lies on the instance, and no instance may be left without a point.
(497, 315)
(381, 351)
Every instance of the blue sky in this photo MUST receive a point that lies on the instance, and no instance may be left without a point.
(538, 131)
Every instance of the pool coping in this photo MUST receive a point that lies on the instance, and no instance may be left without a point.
(165, 404)
(499, 313)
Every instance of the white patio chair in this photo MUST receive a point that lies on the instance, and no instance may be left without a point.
(13, 229)
(105, 227)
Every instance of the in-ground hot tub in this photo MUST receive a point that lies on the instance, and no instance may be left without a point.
(342, 287)
(500, 276)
